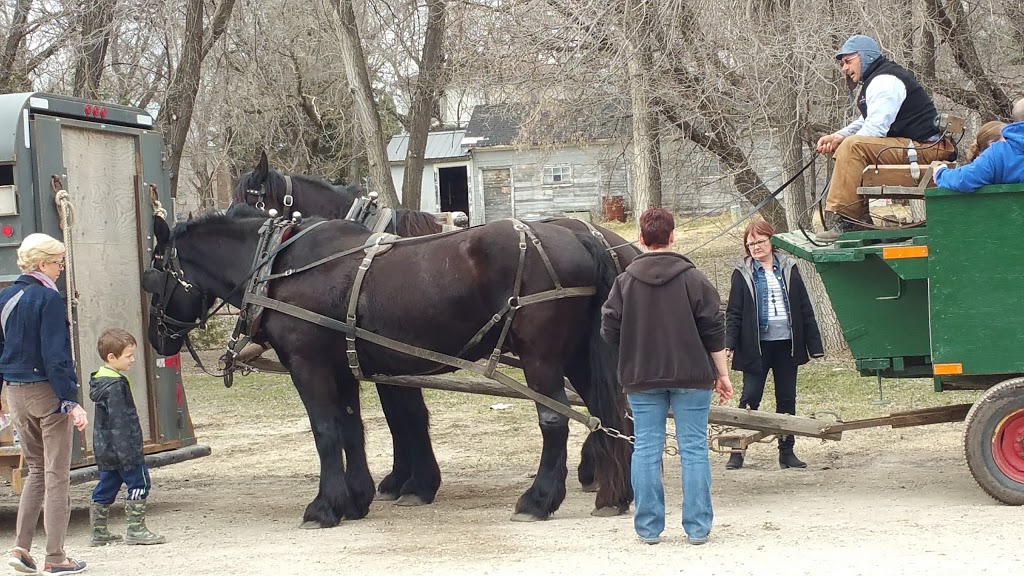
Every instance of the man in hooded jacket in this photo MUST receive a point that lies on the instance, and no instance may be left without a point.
(896, 126)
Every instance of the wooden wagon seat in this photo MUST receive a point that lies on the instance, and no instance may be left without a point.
(906, 181)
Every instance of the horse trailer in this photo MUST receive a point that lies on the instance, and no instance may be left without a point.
(92, 174)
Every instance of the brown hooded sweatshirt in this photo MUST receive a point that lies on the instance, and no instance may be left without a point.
(666, 318)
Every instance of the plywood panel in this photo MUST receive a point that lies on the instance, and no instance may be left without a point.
(101, 169)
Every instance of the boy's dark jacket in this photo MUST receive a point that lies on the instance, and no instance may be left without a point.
(116, 433)
(666, 318)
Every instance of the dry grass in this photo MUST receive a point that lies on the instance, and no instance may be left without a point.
(704, 241)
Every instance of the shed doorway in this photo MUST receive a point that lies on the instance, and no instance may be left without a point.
(453, 186)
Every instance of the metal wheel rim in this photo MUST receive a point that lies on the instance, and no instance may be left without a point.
(1008, 445)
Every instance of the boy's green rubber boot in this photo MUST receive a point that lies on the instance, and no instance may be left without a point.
(137, 531)
(99, 514)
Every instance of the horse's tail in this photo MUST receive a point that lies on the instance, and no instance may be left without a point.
(605, 400)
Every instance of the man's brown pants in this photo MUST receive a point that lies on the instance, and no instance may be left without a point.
(857, 152)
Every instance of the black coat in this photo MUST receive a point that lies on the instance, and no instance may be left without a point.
(116, 433)
(741, 331)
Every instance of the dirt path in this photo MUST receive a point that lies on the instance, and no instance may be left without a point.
(878, 502)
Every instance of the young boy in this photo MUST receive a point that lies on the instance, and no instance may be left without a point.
(117, 443)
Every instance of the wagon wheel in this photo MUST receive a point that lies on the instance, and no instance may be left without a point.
(994, 441)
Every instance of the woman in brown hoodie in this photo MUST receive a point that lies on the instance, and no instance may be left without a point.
(666, 319)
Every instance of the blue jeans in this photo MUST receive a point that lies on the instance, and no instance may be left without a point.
(650, 412)
(136, 480)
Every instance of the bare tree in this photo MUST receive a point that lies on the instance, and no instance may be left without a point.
(96, 25)
(178, 105)
(646, 151)
(17, 65)
(366, 108)
(988, 97)
(426, 95)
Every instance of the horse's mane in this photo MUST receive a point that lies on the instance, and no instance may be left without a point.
(218, 219)
(415, 223)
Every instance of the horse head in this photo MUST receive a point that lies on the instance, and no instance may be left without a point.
(177, 305)
(263, 187)
(267, 189)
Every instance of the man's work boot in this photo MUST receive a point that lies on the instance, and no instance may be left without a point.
(99, 514)
(835, 225)
(735, 461)
(137, 531)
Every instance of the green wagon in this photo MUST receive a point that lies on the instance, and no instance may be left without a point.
(942, 302)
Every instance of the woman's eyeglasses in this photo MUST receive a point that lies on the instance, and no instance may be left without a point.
(752, 245)
(57, 262)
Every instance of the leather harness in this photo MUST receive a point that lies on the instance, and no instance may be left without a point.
(278, 233)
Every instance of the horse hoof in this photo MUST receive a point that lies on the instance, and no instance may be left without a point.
(592, 487)
(410, 500)
(607, 512)
(523, 517)
(310, 525)
(385, 497)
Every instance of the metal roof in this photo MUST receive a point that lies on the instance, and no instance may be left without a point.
(526, 124)
(440, 146)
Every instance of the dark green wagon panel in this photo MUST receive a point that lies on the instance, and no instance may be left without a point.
(881, 303)
(977, 279)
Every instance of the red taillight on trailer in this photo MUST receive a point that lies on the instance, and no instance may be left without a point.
(7, 231)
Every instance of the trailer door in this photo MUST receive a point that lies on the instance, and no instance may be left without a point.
(102, 169)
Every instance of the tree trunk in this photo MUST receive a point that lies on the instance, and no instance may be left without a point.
(646, 156)
(717, 138)
(96, 21)
(426, 94)
(9, 77)
(179, 103)
(927, 53)
(788, 117)
(793, 160)
(366, 108)
(988, 98)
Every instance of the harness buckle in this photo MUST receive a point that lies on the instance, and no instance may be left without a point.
(513, 303)
(522, 245)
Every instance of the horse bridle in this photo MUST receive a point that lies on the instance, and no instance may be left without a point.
(261, 194)
(172, 278)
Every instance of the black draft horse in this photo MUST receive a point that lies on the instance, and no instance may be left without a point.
(434, 293)
(266, 188)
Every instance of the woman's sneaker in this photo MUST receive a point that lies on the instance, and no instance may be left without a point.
(22, 562)
(70, 566)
